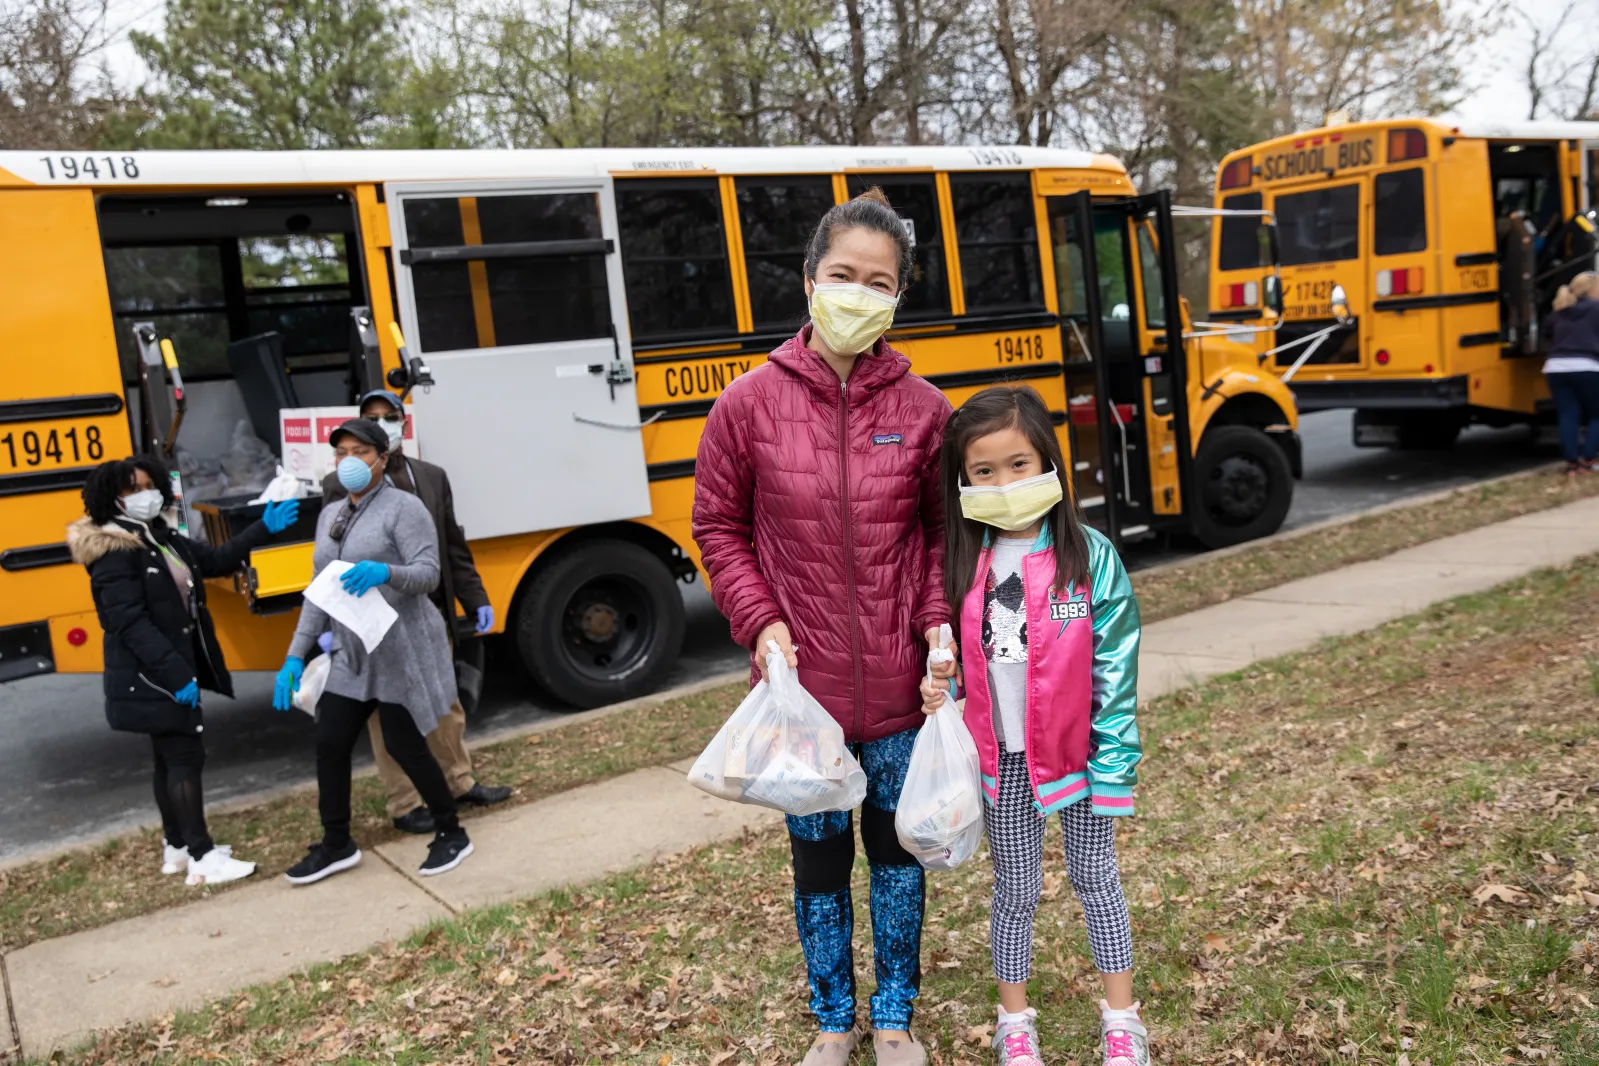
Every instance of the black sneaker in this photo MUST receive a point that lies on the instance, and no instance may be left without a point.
(419, 821)
(481, 795)
(446, 853)
(322, 861)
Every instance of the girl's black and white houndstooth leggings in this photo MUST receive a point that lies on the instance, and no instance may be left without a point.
(1016, 841)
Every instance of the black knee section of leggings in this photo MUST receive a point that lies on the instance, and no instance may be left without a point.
(822, 867)
(882, 843)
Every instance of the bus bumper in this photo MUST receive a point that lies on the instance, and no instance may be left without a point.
(25, 651)
(1396, 394)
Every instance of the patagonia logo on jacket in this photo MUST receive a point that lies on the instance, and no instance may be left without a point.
(887, 438)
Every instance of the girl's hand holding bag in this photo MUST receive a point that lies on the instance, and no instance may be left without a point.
(940, 814)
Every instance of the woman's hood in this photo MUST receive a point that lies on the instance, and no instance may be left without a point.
(89, 542)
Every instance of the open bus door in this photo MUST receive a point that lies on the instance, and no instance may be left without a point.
(1119, 377)
(513, 293)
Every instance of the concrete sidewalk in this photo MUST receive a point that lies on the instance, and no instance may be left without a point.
(62, 990)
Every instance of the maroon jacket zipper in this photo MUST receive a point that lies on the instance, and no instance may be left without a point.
(849, 556)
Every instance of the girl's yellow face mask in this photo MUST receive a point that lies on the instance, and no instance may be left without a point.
(851, 317)
(1014, 506)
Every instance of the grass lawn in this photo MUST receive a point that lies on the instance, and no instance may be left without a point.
(120, 878)
(1382, 851)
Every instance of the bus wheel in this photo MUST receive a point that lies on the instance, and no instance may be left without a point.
(601, 622)
(1244, 486)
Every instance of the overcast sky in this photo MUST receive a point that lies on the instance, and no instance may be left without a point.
(1497, 74)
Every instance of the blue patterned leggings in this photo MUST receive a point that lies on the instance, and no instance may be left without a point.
(823, 846)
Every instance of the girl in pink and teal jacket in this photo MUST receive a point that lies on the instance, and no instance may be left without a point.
(1048, 631)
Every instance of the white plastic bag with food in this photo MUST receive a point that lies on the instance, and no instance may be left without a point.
(781, 749)
(284, 486)
(312, 681)
(940, 814)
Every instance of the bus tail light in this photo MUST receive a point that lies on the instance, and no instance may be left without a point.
(1399, 282)
(1382, 356)
(1237, 174)
(1242, 294)
(1408, 143)
(77, 637)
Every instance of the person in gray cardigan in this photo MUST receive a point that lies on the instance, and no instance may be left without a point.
(408, 679)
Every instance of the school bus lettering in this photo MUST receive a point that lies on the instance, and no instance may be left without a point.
(1318, 159)
(1023, 349)
(1476, 278)
(705, 379)
(74, 168)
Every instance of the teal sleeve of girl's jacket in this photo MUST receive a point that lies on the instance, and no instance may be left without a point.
(1112, 767)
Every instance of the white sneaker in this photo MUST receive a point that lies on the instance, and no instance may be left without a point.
(176, 860)
(218, 867)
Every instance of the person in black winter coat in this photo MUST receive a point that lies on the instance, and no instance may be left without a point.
(160, 646)
(1572, 370)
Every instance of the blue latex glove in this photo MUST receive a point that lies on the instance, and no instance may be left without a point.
(188, 695)
(485, 619)
(280, 515)
(364, 575)
(325, 642)
(288, 683)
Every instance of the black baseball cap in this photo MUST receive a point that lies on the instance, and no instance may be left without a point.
(364, 430)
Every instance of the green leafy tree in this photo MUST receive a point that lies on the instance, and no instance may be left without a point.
(273, 74)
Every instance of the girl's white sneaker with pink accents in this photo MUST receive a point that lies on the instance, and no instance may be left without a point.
(1016, 1039)
(1123, 1036)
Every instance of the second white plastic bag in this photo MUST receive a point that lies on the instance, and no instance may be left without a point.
(312, 681)
(781, 749)
(940, 815)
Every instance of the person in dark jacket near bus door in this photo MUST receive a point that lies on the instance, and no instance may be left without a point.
(458, 581)
(148, 585)
(818, 513)
(1572, 370)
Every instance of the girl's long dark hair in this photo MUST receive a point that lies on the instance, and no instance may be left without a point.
(994, 409)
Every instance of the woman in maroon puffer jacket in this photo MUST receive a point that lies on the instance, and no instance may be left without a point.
(817, 511)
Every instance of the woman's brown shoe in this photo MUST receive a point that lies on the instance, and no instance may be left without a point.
(899, 1051)
(832, 1052)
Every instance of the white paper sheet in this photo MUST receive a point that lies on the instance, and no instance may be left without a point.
(368, 617)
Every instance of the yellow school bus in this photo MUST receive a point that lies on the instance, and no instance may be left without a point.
(564, 321)
(1418, 259)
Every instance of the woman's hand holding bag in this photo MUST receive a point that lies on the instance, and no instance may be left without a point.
(781, 749)
(939, 818)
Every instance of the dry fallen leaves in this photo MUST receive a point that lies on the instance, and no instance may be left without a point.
(1504, 893)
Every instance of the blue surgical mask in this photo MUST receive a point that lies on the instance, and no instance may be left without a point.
(354, 475)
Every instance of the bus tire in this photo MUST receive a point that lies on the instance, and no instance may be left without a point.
(1243, 484)
(601, 622)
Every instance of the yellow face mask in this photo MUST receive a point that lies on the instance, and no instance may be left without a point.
(1014, 506)
(850, 318)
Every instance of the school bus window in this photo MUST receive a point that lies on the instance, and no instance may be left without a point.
(1319, 226)
(674, 255)
(299, 287)
(1399, 220)
(996, 229)
(180, 289)
(1240, 236)
(1154, 287)
(915, 199)
(489, 303)
(776, 217)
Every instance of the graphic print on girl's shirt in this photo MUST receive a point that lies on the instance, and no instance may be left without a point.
(1004, 619)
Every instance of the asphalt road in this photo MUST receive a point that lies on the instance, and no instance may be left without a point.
(65, 777)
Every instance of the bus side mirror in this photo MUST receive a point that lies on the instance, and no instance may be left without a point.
(1274, 293)
(1268, 239)
(1339, 301)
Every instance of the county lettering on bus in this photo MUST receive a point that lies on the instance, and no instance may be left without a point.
(702, 379)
